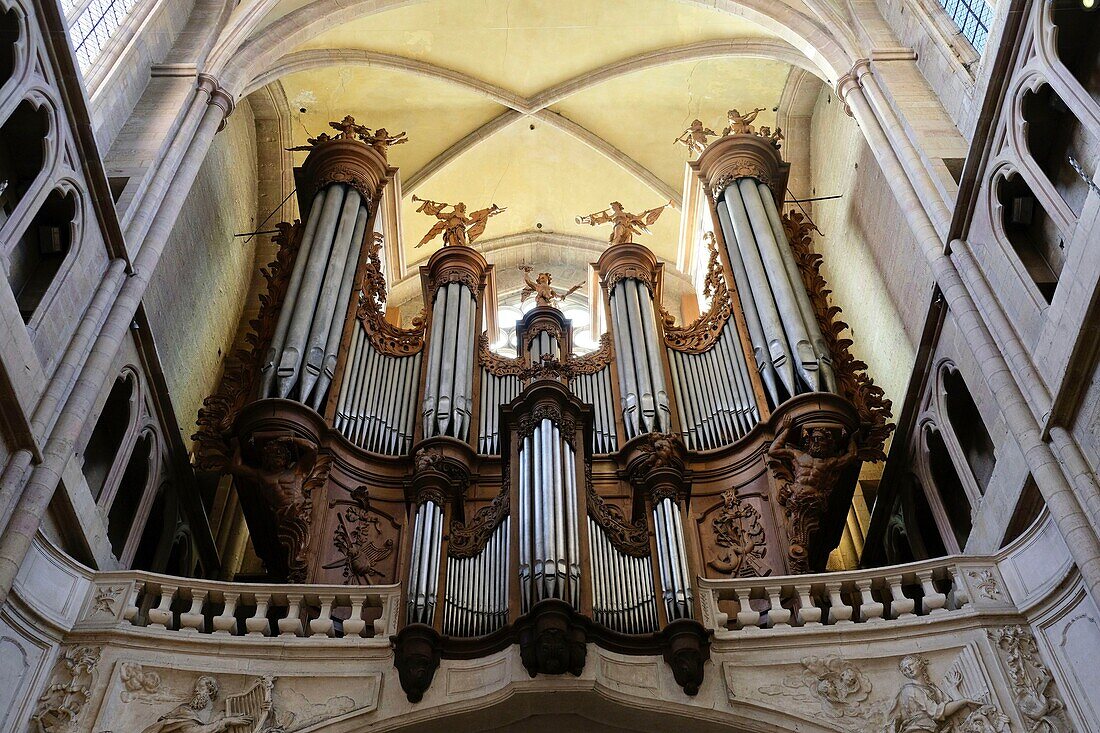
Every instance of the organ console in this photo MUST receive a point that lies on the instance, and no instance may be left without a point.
(550, 499)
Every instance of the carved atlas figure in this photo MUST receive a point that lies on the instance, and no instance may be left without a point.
(694, 138)
(540, 287)
(458, 228)
(624, 224)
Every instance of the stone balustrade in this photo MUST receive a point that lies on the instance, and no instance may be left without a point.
(940, 587)
(151, 602)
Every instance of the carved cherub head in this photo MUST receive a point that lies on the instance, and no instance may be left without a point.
(616, 207)
(460, 208)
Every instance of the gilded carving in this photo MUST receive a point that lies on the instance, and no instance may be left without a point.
(740, 535)
(219, 411)
(458, 228)
(360, 538)
(851, 374)
(545, 294)
(495, 364)
(807, 476)
(701, 334)
(624, 225)
(1033, 687)
(384, 336)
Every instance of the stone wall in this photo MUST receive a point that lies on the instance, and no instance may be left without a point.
(195, 298)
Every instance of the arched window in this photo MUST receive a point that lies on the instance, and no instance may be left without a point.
(109, 433)
(93, 24)
(128, 499)
(950, 494)
(911, 532)
(22, 154)
(1077, 42)
(1033, 235)
(156, 536)
(39, 253)
(968, 427)
(1028, 507)
(10, 32)
(1054, 135)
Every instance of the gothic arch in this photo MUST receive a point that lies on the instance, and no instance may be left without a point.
(13, 49)
(965, 433)
(108, 448)
(34, 103)
(943, 488)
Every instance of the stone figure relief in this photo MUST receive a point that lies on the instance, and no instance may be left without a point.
(624, 225)
(540, 287)
(922, 706)
(199, 714)
(1033, 688)
(808, 474)
(837, 687)
(141, 685)
(458, 228)
(360, 539)
(106, 600)
(739, 537)
(60, 706)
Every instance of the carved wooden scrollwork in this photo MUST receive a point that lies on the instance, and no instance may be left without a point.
(293, 521)
(220, 410)
(700, 335)
(567, 426)
(851, 373)
(594, 362)
(740, 535)
(384, 336)
(468, 539)
(629, 538)
(460, 275)
(495, 364)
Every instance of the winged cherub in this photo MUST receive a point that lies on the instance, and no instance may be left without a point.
(540, 287)
(382, 140)
(741, 123)
(694, 138)
(624, 224)
(458, 228)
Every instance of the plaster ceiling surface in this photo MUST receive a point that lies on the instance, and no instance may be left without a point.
(610, 139)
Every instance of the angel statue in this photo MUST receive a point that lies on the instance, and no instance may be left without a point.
(541, 289)
(349, 129)
(625, 224)
(741, 123)
(382, 140)
(458, 229)
(694, 138)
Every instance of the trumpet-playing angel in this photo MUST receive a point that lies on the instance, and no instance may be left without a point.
(458, 227)
(624, 224)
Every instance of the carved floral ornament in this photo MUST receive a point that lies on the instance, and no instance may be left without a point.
(698, 336)
(495, 364)
(740, 535)
(384, 336)
(361, 539)
(595, 361)
(1033, 688)
(454, 274)
(61, 704)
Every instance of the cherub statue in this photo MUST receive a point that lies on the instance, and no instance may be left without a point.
(921, 706)
(542, 290)
(198, 715)
(313, 142)
(349, 129)
(694, 138)
(741, 123)
(458, 229)
(280, 476)
(624, 224)
(381, 140)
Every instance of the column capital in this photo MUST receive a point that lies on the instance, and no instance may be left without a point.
(738, 156)
(219, 96)
(454, 264)
(851, 81)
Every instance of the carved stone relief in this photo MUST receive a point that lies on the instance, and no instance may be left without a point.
(60, 706)
(1033, 689)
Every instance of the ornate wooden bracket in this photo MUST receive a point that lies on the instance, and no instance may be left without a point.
(384, 336)
(629, 538)
(468, 539)
(701, 334)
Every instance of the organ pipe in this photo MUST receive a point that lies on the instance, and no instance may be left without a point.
(672, 559)
(447, 393)
(424, 569)
(477, 588)
(644, 397)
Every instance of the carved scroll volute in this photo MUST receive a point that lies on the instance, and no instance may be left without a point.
(348, 161)
(742, 156)
(700, 335)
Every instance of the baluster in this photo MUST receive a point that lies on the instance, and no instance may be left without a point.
(839, 611)
(721, 618)
(226, 622)
(257, 624)
(901, 606)
(355, 625)
(161, 616)
(192, 621)
(934, 601)
(291, 624)
(808, 613)
(778, 617)
(322, 625)
(131, 611)
(870, 610)
(746, 617)
(960, 592)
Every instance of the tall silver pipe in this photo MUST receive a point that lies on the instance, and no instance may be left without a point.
(305, 303)
(646, 393)
(648, 319)
(628, 388)
(525, 524)
(283, 323)
(435, 357)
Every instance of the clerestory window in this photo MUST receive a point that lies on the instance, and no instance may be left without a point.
(92, 24)
(972, 18)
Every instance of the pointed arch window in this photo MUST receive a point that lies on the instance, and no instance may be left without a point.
(92, 25)
(973, 19)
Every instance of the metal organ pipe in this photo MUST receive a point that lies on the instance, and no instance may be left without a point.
(641, 375)
(477, 588)
(447, 398)
(676, 587)
(424, 572)
(622, 586)
(595, 389)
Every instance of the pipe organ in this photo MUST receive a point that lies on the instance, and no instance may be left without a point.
(550, 500)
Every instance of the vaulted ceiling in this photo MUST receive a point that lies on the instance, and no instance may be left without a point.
(551, 109)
